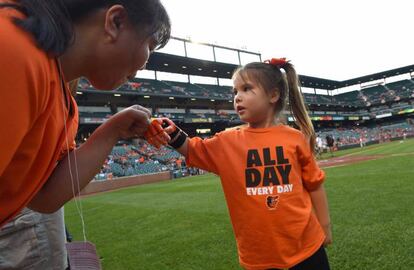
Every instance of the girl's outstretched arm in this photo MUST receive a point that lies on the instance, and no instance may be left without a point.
(198, 152)
(183, 150)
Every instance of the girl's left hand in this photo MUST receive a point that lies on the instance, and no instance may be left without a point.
(155, 134)
(328, 235)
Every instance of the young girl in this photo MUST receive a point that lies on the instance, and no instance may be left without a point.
(272, 184)
(43, 45)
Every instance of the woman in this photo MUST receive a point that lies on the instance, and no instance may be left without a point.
(44, 44)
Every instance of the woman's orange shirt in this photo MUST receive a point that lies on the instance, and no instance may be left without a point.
(32, 112)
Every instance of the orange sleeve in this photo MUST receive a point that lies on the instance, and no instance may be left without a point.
(71, 131)
(312, 175)
(19, 96)
(201, 153)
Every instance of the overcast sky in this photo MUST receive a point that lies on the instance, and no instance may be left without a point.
(329, 39)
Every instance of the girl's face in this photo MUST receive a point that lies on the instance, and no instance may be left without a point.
(252, 103)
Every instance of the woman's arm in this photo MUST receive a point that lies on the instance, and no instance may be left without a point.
(90, 156)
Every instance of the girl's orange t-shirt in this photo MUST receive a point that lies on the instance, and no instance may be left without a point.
(266, 176)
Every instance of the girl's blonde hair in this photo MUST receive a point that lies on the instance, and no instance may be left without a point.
(272, 78)
(73, 86)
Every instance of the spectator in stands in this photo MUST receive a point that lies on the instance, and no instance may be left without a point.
(141, 159)
(337, 143)
(43, 45)
(130, 171)
(179, 161)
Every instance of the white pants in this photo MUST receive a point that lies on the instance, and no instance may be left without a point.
(34, 241)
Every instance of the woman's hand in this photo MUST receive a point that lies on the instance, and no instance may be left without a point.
(131, 122)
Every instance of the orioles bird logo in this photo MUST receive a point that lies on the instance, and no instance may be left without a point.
(272, 201)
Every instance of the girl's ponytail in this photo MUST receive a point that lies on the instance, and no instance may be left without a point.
(297, 105)
(73, 86)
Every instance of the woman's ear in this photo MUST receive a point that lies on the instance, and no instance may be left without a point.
(274, 96)
(116, 19)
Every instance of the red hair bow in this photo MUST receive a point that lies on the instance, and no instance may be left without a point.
(278, 62)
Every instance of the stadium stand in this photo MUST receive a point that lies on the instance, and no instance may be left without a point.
(143, 158)
(375, 95)
(374, 114)
(379, 94)
(217, 91)
(350, 97)
(353, 136)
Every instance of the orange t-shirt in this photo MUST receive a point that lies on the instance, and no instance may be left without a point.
(32, 112)
(266, 176)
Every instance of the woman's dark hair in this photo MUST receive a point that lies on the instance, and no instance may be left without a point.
(51, 21)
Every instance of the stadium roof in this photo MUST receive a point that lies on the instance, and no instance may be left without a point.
(184, 65)
(192, 66)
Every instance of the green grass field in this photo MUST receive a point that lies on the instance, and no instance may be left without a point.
(184, 224)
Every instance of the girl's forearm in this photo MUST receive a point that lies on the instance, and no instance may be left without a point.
(183, 150)
(320, 205)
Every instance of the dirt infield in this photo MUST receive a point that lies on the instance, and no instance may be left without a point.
(345, 160)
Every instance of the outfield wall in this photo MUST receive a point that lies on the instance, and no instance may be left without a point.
(122, 182)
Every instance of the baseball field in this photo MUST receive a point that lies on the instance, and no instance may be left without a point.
(184, 224)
